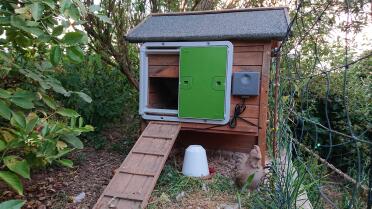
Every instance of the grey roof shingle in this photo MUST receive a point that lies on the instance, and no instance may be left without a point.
(246, 24)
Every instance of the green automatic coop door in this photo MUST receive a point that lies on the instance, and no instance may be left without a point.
(202, 82)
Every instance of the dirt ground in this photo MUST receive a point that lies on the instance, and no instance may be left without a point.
(58, 187)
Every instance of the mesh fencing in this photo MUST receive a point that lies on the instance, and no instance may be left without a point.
(320, 109)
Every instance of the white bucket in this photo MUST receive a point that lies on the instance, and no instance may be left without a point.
(195, 162)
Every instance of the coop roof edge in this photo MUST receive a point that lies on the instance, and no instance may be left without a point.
(242, 24)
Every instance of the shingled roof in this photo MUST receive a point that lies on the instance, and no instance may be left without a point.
(243, 24)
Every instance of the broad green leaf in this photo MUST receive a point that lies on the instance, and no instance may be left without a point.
(67, 112)
(104, 18)
(49, 3)
(65, 4)
(94, 8)
(72, 38)
(22, 102)
(12, 204)
(5, 111)
(19, 118)
(74, 13)
(55, 55)
(44, 38)
(19, 167)
(23, 41)
(57, 30)
(31, 124)
(49, 102)
(75, 54)
(34, 31)
(4, 94)
(81, 6)
(66, 163)
(17, 22)
(61, 153)
(73, 140)
(2, 145)
(86, 128)
(37, 10)
(24, 94)
(32, 23)
(84, 96)
(12, 180)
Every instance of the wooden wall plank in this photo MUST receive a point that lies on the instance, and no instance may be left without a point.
(217, 141)
(247, 58)
(163, 59)
(264, 91)
(164, 71)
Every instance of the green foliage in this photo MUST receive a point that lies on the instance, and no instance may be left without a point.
(172, 182)
(111, 93)
(35, 130)
(12, 204)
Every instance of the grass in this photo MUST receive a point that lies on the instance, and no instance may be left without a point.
(172, 183)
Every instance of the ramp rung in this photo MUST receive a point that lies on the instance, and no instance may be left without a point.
(135, 179)
(157, 137)
(148, 153)
(137, 173)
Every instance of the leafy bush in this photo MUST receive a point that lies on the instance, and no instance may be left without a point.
(35, 129)
(111, 93)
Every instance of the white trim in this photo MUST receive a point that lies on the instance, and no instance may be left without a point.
(173, 48)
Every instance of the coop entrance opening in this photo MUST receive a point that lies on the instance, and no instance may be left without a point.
(163, 93)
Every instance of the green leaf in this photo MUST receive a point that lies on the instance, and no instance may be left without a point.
(66, 162)
(12, 204)
(81, 122)
(22, 102)
(19, 167)
(73, 141)
(17, 22)
(248, 182)
(65, 4)
(5, 111)
(4, 94)
(2, 145)
(34, 31)
(49, 3)
(31, 124)
(103, 18)
(72, 38)
(37, 10)
(84, 96)
(94, 8)
(19, 118)
(57, 30)
(49, 102)
(68, 112)
(12, 180)
(75, 54)
(74, 13)
(55, 55)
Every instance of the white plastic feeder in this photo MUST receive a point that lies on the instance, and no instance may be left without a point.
(195, 162)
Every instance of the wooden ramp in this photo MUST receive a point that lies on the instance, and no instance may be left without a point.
(134, 180)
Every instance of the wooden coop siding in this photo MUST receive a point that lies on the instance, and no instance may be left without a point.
(247, 57)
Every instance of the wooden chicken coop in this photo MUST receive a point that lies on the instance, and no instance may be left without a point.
(204, 79)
